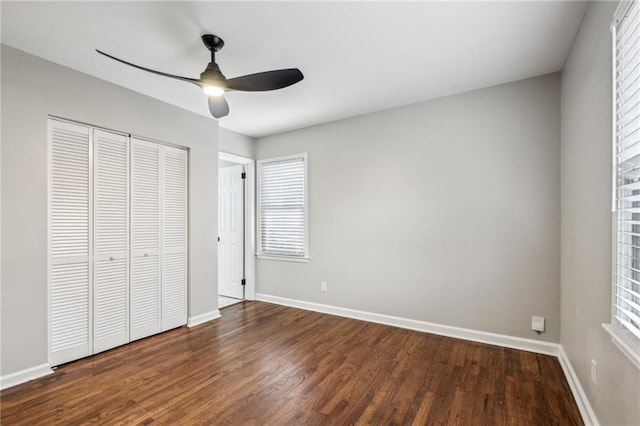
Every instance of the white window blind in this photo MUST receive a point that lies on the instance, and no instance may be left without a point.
(626, 289)
(282, 221)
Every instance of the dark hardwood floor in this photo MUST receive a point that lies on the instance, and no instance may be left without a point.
(268, 364)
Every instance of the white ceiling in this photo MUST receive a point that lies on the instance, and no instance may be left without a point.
(357, 57)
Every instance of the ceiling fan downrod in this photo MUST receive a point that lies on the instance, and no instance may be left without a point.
(213, 43)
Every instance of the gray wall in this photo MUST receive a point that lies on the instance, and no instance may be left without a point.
(32, 88)
(446, 211)
(236, 143)
(586, 223)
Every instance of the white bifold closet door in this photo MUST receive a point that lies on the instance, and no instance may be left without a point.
(158, 238)
(145, 239)
(70, 298)
(174, 237)
(117, 239)
(110, 240)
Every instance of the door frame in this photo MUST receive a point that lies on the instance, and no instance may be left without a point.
(249, 221)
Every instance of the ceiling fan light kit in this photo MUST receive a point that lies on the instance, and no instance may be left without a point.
(213, 90)
(214, 84)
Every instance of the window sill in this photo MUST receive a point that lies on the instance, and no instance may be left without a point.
(283, 258)
(628, 345)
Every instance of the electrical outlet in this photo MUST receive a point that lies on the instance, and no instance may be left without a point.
(323, 287)
(594, 372)
(537, 324)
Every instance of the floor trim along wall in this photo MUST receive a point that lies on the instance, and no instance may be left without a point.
(588, 415)
(202, 318)
(428, 327)
(25, 375)
(531, 345)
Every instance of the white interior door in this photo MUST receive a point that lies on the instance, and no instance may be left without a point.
(145, 239)
(111, 240)
(231, 231)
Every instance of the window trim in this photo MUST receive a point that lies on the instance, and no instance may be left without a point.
(623, 339)
(260, 254)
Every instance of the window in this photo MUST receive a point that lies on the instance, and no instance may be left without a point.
(625, 312)
(282, 208)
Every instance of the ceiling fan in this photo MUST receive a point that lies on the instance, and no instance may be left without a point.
(215, 84)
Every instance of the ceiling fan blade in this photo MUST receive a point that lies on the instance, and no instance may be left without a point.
(218, 106)
(263, 81)
(177, 77)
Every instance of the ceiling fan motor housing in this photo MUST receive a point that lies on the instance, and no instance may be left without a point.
(212, 73)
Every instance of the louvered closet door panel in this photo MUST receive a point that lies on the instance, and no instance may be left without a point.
(111, 235)
(174, 237)
(145, 239)
(69, 241)
(145, 296)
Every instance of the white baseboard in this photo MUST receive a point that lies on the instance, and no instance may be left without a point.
(521, 343)
(25, 375)
(588, 415)
(202, 318)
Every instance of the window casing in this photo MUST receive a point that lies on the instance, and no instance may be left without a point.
(625, 310)
(282, 208)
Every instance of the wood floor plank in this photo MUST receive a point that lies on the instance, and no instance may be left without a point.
(263, 364)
